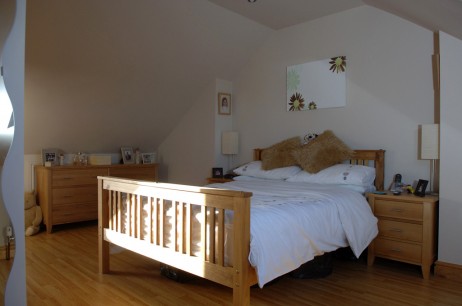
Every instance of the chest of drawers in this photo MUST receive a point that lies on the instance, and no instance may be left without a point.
(69, 194)
(407, 229)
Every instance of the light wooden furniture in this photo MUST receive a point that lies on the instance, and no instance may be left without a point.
(407, 229)
(117, 196)
(212, 180)
(69, 194)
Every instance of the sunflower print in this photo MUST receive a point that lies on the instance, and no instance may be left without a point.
(296, 102)
(338, 64)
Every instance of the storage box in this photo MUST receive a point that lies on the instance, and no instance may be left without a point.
(99, 160)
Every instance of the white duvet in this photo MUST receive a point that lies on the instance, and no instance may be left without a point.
(291, 223)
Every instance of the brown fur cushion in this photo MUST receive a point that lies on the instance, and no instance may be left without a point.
(322, 152)
(280, 155)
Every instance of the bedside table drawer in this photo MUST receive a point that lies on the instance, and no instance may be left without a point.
(398, 250)
(401, 210)
(400, 230)
(407, 229)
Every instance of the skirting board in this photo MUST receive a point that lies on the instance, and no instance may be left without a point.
(448, 270)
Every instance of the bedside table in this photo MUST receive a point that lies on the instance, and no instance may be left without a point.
(212, 180)
(407, 229)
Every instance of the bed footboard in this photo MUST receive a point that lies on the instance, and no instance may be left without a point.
(181, 226)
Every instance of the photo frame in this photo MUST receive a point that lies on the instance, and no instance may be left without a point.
(224, 103)
(51, 156)
(420, 188)
(148, 158)
(128, 156)
(217, 172)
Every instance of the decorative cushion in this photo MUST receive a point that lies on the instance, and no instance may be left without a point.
(280, 155)
(254, 169)
(322, 152)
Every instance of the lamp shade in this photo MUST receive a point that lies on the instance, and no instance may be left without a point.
(229, 143)
(429, 141)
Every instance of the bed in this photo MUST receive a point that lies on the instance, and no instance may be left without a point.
(208, 234)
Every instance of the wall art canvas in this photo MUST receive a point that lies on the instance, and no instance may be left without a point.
(318, 84)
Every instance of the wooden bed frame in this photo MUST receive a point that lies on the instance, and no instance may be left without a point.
(213, 203)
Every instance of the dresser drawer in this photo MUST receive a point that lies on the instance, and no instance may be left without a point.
(70, 193)
(400, 230)
(76, 177)
(75, 212)
(408, 252)
(401, 210)
(75, 195)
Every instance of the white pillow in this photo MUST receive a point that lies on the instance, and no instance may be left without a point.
(338, 174)
(247, 178)
(254, 169)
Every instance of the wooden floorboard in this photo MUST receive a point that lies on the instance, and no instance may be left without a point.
(62, 269)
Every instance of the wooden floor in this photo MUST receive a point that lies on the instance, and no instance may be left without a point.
(62, 270)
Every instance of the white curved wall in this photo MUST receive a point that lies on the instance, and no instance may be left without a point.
(13, 169)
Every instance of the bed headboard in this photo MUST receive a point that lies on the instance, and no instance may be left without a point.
(371, 158)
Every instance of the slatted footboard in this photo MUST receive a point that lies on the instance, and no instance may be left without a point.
(157, 220)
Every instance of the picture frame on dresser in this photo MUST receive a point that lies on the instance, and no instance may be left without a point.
(127, 155)
(50, 156)
(217, 172)
(421, 188)
(148, 158)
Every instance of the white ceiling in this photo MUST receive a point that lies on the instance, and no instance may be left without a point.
(278, 14)
(435, 15)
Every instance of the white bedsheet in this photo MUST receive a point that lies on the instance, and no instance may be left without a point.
(291, 223)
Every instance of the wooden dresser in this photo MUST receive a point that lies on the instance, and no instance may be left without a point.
(69, 194)
(407, 229)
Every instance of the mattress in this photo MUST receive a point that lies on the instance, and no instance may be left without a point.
(291, 223)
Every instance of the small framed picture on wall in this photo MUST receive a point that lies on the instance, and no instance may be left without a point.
(224, 103)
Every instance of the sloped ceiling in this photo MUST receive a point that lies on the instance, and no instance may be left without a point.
(278, 14)
(101, 74)
(445, 15)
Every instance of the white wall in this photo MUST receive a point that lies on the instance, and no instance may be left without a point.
(188, 153)
(450, 209)
(108, 73)
(13, 169)
(194, 147)
(222, 123)
(389, 87)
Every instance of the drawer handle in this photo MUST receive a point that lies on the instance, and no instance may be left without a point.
(397, 210)
(398, 230)
(396, 250)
